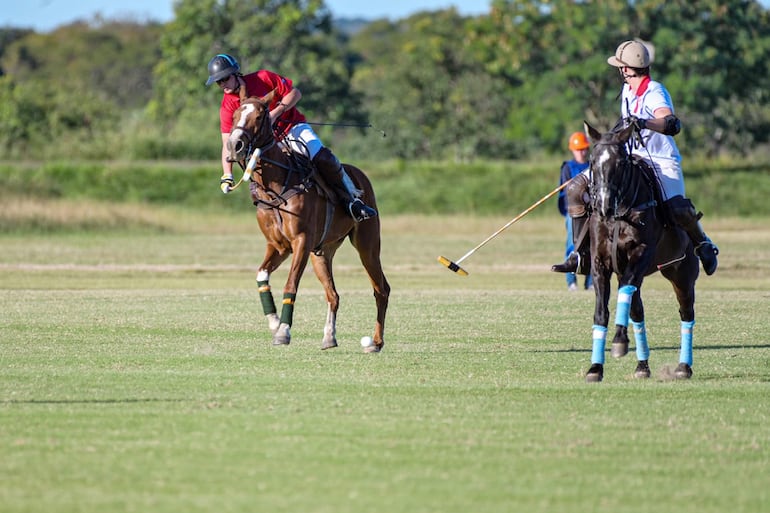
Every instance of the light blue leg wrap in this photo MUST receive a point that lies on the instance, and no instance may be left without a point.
(640, 336)
(685, 354)
(624, 304)
(600, 338)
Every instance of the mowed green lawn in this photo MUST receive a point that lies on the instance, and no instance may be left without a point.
(137, 375)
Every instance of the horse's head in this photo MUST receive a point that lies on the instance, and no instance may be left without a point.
(609, 160)
(251, 126)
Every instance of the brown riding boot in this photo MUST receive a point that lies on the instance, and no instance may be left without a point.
(687, 218)
(332, 171)
(579, 261)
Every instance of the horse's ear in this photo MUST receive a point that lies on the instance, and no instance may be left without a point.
(626, 133)
(268, 97)
(243, 93)
(593, 134)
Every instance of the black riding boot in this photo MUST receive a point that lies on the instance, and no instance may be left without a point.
(579, 261)
(332, 171)
(684, 214)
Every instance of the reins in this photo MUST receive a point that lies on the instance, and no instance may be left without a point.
(257, 147)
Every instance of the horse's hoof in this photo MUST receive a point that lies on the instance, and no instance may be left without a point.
(282, 335)
(619, 349)
(683, 371)
(374, 348)
(595, 374)
(328, 344)
(642, 370)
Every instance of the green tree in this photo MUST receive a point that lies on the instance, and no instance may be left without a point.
(423, 84)
(71, 88)
(111, 61)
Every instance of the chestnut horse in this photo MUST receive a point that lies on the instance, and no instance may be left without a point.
(631, 238)
(299, 216)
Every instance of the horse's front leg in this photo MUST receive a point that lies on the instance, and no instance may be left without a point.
(273, 258)
(630, 297)
(601, 278)
(300, 255)
(626, 294)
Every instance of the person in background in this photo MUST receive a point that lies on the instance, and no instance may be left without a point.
(578, 144)
(286, 120)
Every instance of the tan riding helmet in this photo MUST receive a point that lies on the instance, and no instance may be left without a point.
(632, 54)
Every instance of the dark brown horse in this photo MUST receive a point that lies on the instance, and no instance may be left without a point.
(299, 216)
(631, 239)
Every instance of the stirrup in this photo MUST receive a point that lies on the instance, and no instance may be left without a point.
(359, 211)
(707, 251)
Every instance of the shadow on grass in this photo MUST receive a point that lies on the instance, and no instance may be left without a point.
(654, 348)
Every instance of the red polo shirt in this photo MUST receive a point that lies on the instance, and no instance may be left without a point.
(259, 84)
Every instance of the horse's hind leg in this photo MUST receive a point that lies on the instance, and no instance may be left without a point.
(322, 265)
(683, 280)
(642, 349)
(366, 240)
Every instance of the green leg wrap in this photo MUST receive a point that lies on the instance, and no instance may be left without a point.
(266, 297)
(287, 311)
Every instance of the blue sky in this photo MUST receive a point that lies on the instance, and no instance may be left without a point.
(45, 15)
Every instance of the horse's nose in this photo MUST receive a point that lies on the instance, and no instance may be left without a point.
(234, 149)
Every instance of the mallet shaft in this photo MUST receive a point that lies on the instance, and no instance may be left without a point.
(509, 223)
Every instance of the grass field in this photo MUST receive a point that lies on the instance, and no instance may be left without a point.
(138, 376)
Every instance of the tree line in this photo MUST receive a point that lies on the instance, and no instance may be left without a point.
(512, 83)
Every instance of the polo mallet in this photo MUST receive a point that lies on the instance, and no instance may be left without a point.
(455, 266)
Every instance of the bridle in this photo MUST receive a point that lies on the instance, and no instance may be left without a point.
(257, 143)
(252, 144)
(623, 186)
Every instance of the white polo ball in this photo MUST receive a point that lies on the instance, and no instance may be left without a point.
(367, 341)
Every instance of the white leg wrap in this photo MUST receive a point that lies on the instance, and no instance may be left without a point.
(273, 322)
(330, 328)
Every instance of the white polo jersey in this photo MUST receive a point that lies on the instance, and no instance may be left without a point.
(660, 151)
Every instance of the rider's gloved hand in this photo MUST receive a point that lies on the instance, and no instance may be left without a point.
(639, 123)
(226, 183)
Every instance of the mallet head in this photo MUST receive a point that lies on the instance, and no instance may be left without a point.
(452, 266)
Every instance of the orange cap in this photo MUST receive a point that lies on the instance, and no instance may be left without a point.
(578, 141)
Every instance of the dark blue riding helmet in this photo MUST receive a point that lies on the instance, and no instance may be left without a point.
(222, 66)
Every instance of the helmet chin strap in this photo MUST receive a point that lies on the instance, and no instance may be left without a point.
(626, 76)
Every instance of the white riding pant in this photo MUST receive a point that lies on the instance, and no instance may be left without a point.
(669, 173)
(302, 139)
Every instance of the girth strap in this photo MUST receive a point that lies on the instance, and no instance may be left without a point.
(614, 252)
(327, 224)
